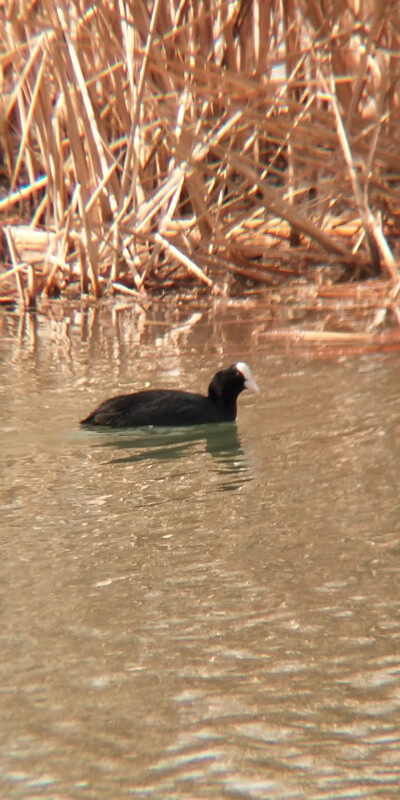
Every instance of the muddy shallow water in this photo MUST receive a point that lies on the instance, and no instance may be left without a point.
(207, 612)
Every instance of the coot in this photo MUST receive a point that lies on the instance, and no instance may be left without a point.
(173, 407)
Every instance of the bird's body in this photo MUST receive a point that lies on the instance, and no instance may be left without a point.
(172, 407)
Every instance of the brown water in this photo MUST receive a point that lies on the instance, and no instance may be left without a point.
(203, 613)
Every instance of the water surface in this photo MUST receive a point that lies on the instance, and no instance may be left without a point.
(208, 612)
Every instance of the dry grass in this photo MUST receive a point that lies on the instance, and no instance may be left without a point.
(208, 141)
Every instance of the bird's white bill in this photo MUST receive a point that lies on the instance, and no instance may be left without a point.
(249, 381)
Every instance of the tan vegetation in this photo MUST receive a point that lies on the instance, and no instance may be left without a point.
(219, 142)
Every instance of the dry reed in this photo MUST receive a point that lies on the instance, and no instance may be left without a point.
(210, 141)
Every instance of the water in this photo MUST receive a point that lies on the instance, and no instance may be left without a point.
(198, 613)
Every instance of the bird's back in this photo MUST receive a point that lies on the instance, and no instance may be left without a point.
(159, 407)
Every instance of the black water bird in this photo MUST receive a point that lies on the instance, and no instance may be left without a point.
(166, 407)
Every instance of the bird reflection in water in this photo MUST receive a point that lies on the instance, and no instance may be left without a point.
(220, 441)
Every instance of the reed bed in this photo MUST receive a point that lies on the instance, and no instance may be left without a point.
(210, 143)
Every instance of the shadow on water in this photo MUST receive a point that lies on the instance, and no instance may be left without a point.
(222, 442)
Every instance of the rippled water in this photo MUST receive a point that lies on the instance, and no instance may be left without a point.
(205, 612)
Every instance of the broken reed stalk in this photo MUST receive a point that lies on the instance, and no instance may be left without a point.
(17, 267)
(146, 133)
(377, 244)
